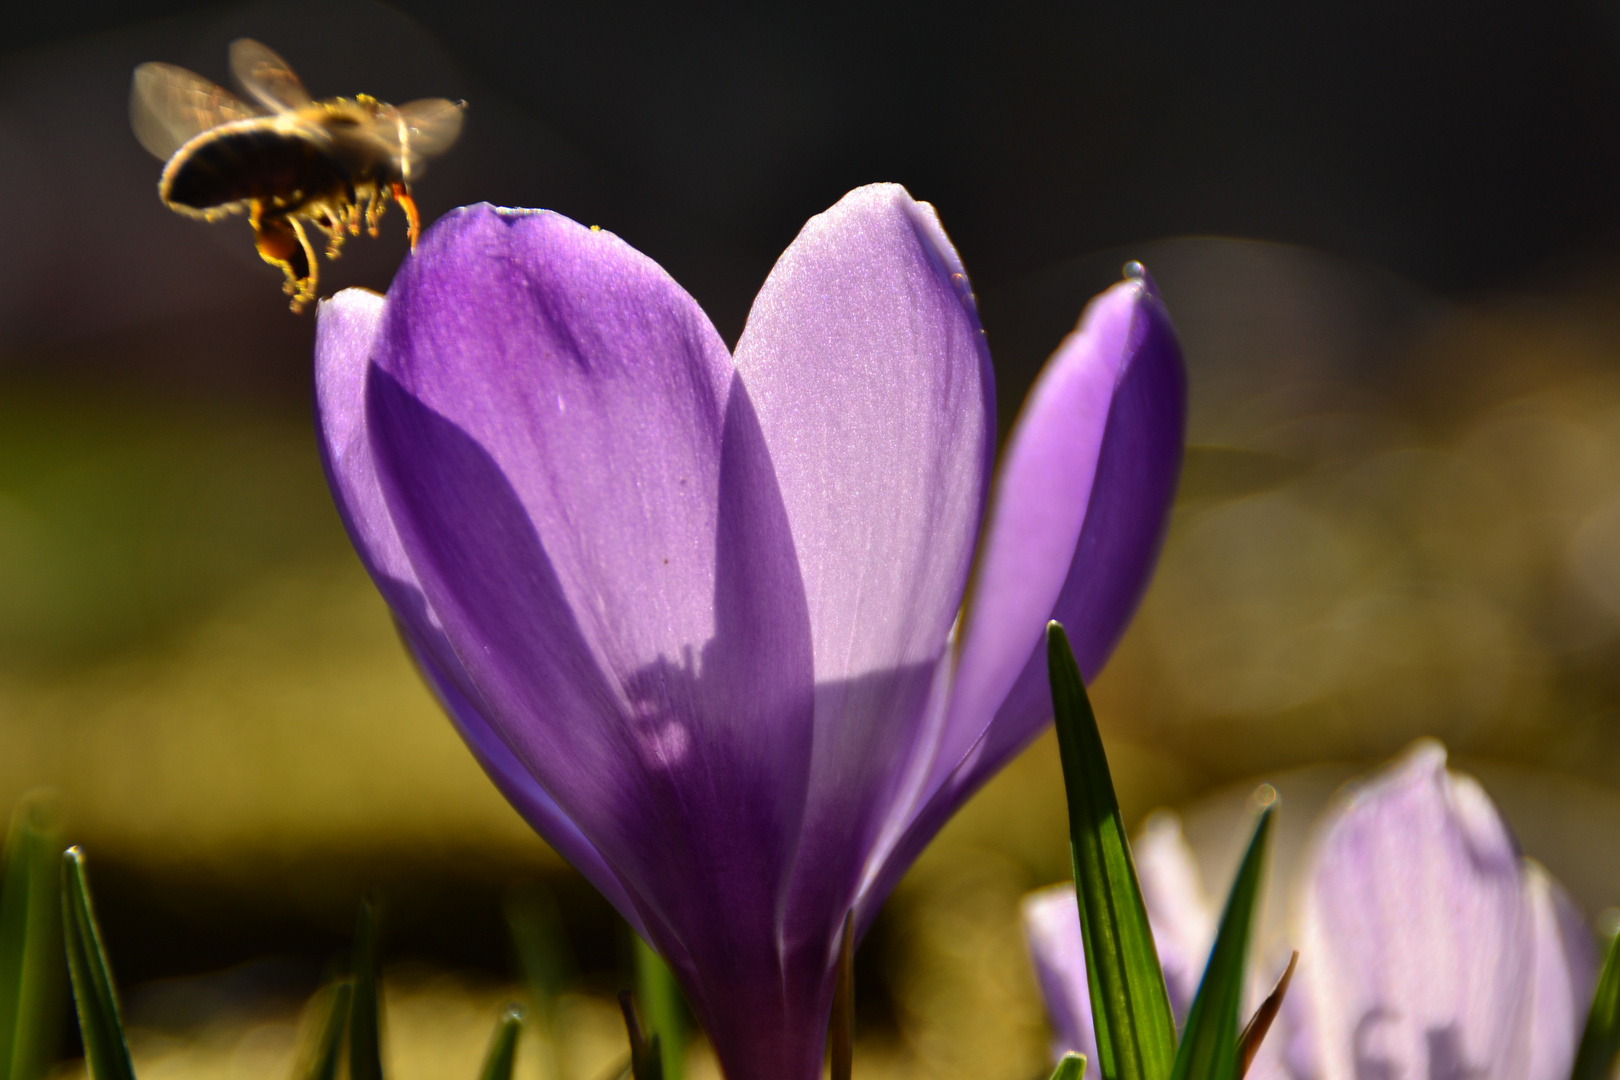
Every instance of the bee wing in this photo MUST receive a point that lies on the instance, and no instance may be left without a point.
(266, 76)
(431, 126)
(425, 129)
(168, 105)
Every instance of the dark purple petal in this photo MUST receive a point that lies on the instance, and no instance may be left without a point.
(864, 356)
(346, 326)
(583, 492)
(1417, 940)
(1124, 499)
(520, 789)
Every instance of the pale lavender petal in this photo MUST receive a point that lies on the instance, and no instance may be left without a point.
(1179, 913)
(345, 329)
(1273, 1060)
(1566, 966)
(1416, 936)
(1182, 918)
(866, 363)
(864, 357)
(583, 493)
(1052, 929)
(1126, 331)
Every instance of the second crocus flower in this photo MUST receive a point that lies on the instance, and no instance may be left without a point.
(1430, 949)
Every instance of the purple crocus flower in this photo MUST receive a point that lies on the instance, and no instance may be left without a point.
(1430, 949)
(696, 612)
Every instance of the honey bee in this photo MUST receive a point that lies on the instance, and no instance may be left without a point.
(288, 160)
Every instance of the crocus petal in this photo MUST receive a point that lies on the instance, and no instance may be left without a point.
(1565, 973)
(1182, 917)
(345, 328)
(864, 357)
(1044, 497)
(1179, 914)
(1138, 465)
(865, 360)
(1416, 935)
(1052, 929)
(583, 493)
(1086, 488)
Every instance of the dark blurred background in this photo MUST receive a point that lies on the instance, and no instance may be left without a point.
(1389, 233)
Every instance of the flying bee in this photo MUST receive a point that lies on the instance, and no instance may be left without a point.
(287, 161)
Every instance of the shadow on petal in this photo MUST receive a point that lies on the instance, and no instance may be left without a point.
(689, 774)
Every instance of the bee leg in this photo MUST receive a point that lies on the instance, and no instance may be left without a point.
(332, 225)
(306, 285)
(374, 212)
(278, 245)
(402, 195)
(282, 244)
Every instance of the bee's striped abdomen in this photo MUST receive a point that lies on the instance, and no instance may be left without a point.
(246, 161)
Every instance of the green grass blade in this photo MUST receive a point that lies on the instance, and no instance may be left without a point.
(545, 963)
(1209, 1046)
(328, 1053)
(1136, 1034)
(106, 1051)
(1600, 1042)
(365, 1008)
(32, 972)
(1072, 1067)
(665, 1010)
(540, 943)
(502, 1053)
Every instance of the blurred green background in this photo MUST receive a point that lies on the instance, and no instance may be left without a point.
(1388, 236)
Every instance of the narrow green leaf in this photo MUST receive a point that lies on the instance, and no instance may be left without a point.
(1209, 1046)
(540, 943)
(1072, 1067)
(502, 1053)
(323, 1063)
(32, 973)
(1600, 1042)
(545, 964)
(365, 1009)
(1136, 1034)
(660, 995)
(106, 1051)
